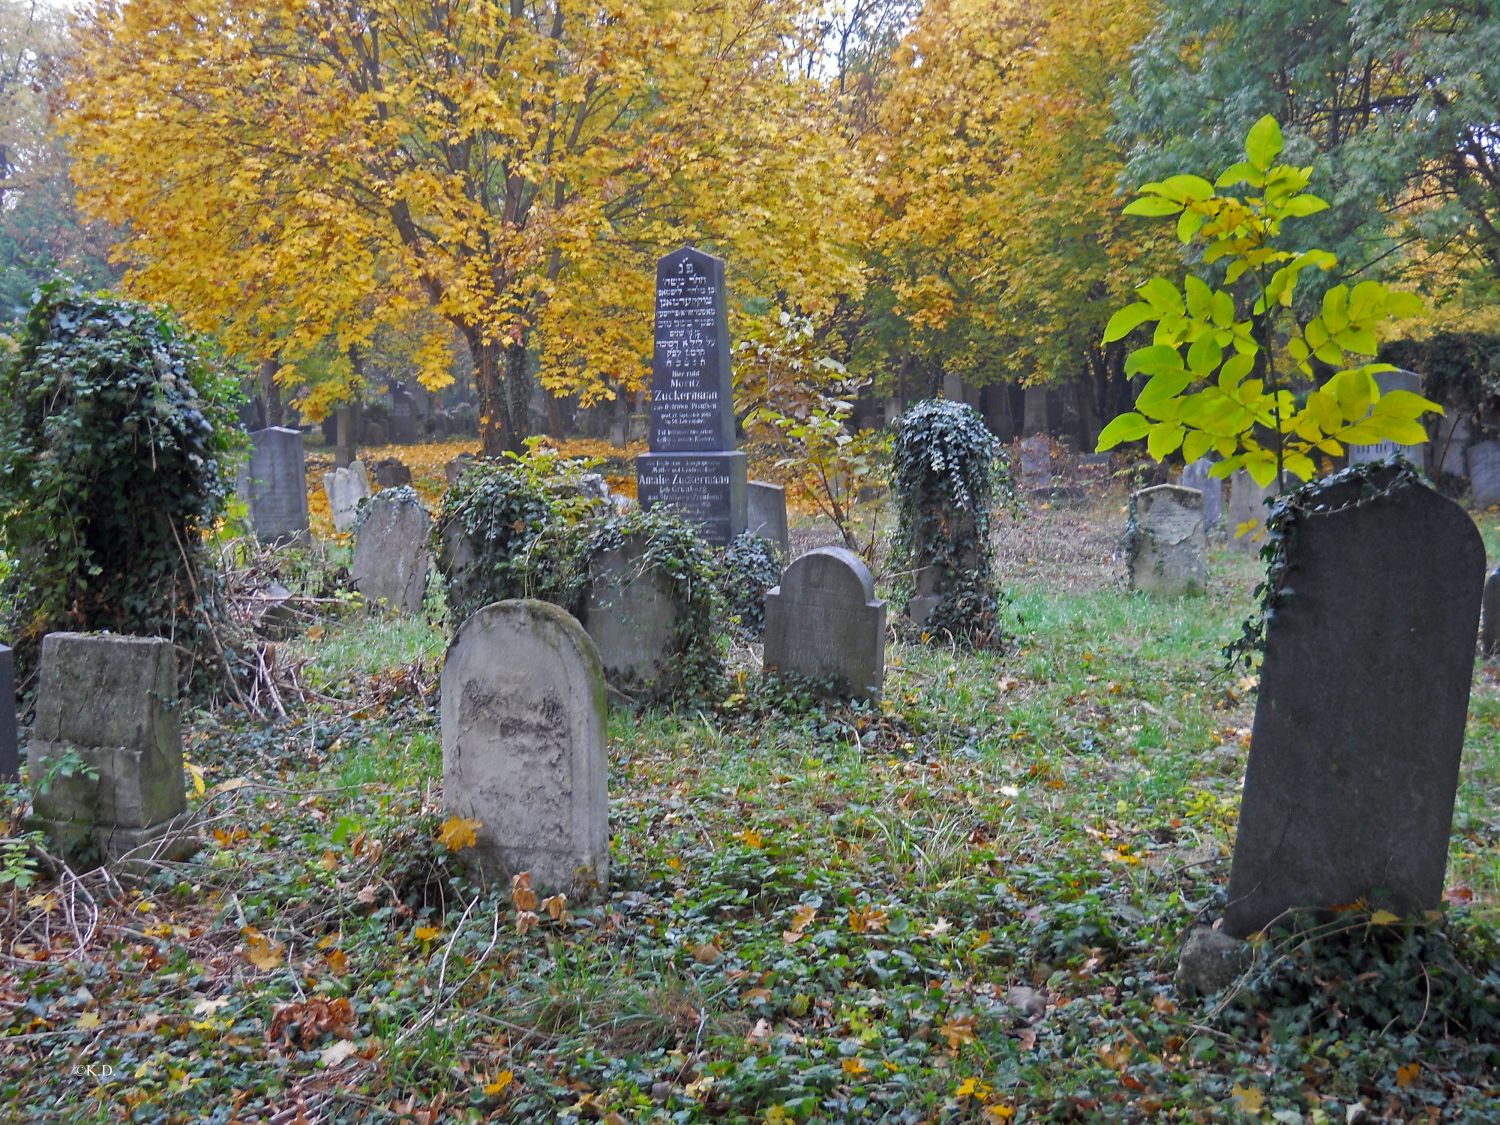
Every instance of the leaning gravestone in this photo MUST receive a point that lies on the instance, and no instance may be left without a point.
(824, 623)
(1167, 552)
(1196, 476)
(345, 488)
(10, 761)
(1484, 472)
(110, 701)
(274, 484)
(632, 616)
(391, 556)
(767, 515)
(1489, 628)
(1247, 506)
(693, 465)
(1364, 691)
(1389, 381)
(523, 720)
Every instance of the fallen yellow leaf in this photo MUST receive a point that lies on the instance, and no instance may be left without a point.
(458, 832)
(1247, 1099)
(500, 1084)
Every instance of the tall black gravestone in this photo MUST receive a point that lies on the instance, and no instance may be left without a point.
(693, 465)
(1364, 692)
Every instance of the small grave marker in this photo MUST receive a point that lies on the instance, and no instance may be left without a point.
(391, 555)
(1168, 550)
(274, 484)
(824, 623)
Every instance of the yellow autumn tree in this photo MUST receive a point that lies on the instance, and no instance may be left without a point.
(1004, 249)
(298, 171)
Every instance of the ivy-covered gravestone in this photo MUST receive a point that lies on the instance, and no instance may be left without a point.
(652, 606)
(944, 474)
(115, 430)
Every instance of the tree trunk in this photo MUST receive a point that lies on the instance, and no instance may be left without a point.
(270, 393)
(502, 387)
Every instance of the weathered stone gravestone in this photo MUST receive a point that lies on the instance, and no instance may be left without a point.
(345, 488)
(1167, 552)
(1247, 505)
(1489, 629)
(1450, 447)
(456, 467)
(1196, 476)
(767, 515)
(10, 761)
(390, 472)
(523, 719)
(110, 704)
(1037, 475)
(631, 614)
(1364, 692)
(1389, 381)
(693, 465)
(391, 556)
(274, 484)
(1484, 472)
(824, 623)
(403, 416)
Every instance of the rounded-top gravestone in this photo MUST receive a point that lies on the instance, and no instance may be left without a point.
(523, 722)
(825, 624)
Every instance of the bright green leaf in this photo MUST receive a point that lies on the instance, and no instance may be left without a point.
(1127, 427)
(1264, 142)
(1127, 320)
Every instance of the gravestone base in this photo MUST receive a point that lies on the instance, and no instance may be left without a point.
(128, 849)
(708, 489)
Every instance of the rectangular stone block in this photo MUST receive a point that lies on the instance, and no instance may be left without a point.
(108, 703)
(274, 484)
(766, 507)
(708, 489)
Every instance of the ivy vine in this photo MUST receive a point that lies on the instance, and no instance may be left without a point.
(512, 528)
(525, 527)
(947, 470)
(672, 547)
(748, 566)
(115, 433)
(1369, 481)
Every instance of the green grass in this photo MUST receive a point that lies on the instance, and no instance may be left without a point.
(814, 913)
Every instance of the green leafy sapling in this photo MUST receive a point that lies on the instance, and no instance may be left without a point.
(1225, 384)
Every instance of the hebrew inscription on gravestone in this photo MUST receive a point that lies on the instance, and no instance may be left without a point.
(693, 465)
